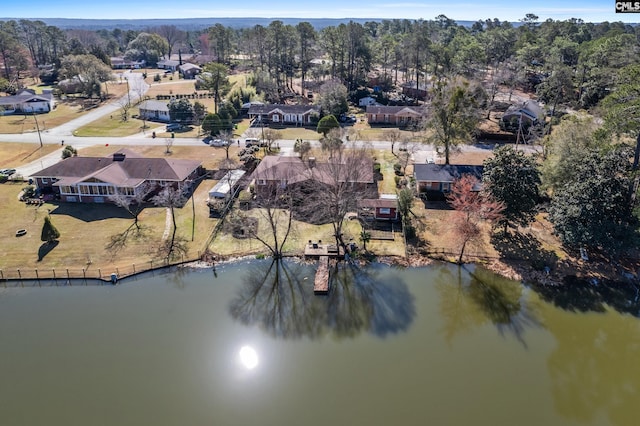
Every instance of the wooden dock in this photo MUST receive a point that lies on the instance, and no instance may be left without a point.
(321, 283)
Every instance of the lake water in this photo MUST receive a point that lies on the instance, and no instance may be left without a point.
(252, 345)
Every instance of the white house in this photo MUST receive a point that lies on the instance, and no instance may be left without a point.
(154, 111)
(366, 101)
(27, 101)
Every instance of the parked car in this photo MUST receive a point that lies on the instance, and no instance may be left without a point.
(207, 139)
(249, 142)
(7, 172)
(172, 127)
(219, 142)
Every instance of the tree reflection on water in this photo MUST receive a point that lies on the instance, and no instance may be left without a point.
(278, 297)
(471, 300)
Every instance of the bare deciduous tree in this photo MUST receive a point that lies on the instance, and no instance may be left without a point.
(335, 186)
(472, 207)
(171, 198)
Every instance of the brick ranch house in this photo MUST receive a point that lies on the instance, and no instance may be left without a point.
(95, 179)
(298, 115)
(27, 101)
(279, 172)
(394, 115)
(434, 180)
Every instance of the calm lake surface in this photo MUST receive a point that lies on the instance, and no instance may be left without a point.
(439, 345)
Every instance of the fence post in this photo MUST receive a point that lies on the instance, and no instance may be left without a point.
(19, 274)
(54, 274)
(99, 274)
(117, 272)
(134, 268)
(84, 275)
(67, 273)
(37, 277)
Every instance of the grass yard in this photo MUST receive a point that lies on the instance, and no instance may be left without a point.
(63, 113)
(101, 222)
(112, 125)
(17, 154)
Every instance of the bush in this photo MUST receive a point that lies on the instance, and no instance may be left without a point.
(397, 169)
(157, 78)
(376, 167)
(69, 151)
(29, 191)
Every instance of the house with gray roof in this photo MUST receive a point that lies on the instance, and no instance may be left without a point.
(169, 64)
(154, 111)
(435, 180)
(27, 101)
(189, 71)
(125, 173)
(276, 172)
(395, 115)
(521, 116)
(298, 115)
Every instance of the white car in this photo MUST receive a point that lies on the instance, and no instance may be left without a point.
(218, 142)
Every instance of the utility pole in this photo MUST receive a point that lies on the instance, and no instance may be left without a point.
(37, 128)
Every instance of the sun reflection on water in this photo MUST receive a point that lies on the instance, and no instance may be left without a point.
(248, 357)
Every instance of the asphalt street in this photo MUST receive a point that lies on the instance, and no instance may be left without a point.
(420, 152)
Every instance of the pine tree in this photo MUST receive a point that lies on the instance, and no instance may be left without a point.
(49, 232)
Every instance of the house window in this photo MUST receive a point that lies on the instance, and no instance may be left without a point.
(44, 181)
(261, 182)
(385, 210)
(275, 118)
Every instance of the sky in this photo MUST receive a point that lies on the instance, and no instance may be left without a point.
(504, 10)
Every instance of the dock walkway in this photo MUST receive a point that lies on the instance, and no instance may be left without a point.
(321, 283)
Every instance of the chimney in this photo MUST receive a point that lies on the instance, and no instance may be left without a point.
(312, 162)
(119, 156)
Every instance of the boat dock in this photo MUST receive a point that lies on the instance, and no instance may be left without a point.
(321, 283)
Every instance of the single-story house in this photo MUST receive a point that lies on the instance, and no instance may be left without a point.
(97, 179)
(521, 116)
(395, 115)
(366, 101)
(27, 101)
(169, 64)
(279, 172)
(189, 71)
(383, 208)
(154, 110)
(119, 63)
(436, 179)
(299, 115)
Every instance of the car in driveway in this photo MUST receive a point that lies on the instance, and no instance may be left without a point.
(172, 127)
(218, 142)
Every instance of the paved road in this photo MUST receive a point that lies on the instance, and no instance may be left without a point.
(137, 87)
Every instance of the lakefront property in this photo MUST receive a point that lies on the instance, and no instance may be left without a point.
(96, 179)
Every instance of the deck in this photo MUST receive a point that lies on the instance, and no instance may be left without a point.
(321, 283)
(316, 250)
